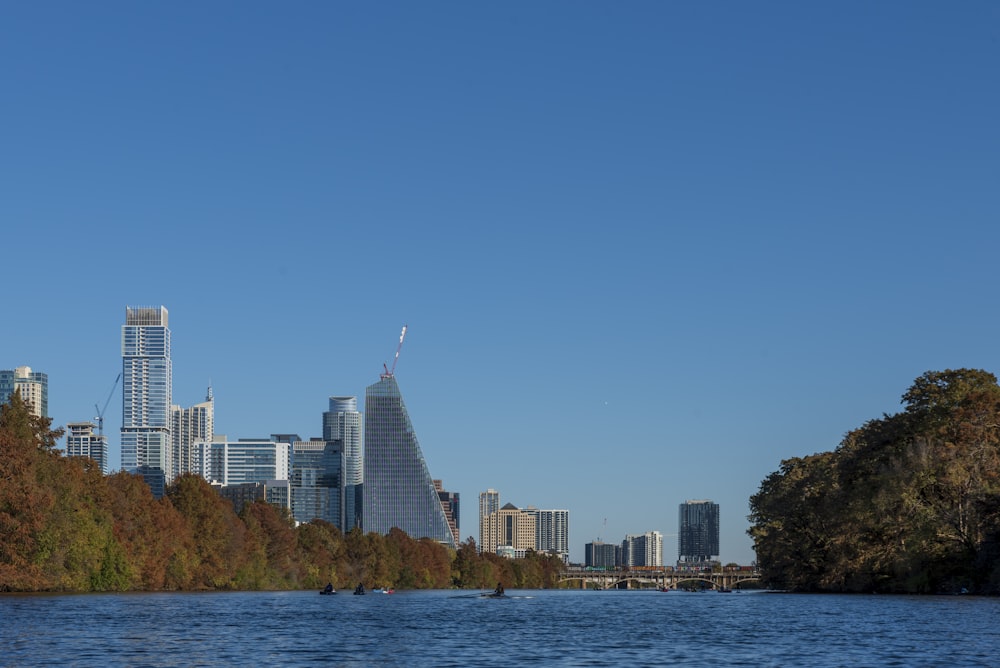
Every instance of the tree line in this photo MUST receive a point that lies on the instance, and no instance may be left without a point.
(909, 502)
(66, 527)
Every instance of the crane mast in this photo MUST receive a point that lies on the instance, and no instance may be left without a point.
(388, 373)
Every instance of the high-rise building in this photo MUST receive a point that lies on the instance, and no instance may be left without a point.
(602, 555)
(489, 503)
(449, 504)
(317, 470)
(698, 538)
(551, 531)
(510, 527)
(189, 426)
(81, 441)
(147, 379)
(643, 550)
(398, 488)
(342, 424)
(33, 386)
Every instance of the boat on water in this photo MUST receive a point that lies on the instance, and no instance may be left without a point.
(359, 590)
(327, 590)
(492, 594)
(384, 590)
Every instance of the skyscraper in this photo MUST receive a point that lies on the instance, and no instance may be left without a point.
(317, 470)
(644, 550)
(398, 488)
(342, 424)
(698, 539)
(32, 385)
(189, 426)
(81, 441)
(147, 379)
(489, 503)
(551, 531)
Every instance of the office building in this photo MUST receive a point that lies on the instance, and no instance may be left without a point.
(147, 379)
(317, 469)
(245, 460)
(33, 386)
(698, 537)
(510, 527)
(643, 550)
(342, 424)
(81, 441)
(189, 426)
(551, 531)
(398, 488)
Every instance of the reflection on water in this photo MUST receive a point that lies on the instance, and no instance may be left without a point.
(568, 628)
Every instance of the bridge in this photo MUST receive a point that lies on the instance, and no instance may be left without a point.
(661, 578)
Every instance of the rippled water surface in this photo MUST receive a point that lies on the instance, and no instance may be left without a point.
(440, 628)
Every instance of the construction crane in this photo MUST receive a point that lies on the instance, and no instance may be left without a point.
(389, 372)
(100, 411)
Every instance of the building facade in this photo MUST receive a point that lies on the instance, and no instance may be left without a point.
(33, 386)
(189, 426)
(449, 504)
(551, 531)
(81, 441)
(343, 424)
(317, 469)
(147, 378)
(510, 527)
(698, 537)
(489, 503)
(398, 488)
(643, 550)
(602, 555)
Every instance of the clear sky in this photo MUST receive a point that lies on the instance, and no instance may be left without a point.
(645, 250)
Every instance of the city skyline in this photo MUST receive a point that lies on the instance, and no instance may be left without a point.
(645, 251)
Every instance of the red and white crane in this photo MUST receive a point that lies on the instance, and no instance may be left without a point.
(389, 372)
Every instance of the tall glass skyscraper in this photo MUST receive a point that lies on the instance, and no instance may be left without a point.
(147, 379)
(698, 540)
(398, 488)
(342, 423)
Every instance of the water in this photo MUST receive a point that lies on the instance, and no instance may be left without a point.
(442, 628)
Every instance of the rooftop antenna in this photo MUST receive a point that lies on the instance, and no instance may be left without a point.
(390, 372)
(100, 411)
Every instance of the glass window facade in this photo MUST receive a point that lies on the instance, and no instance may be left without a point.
(398, 490)
(698, 540)
(146, 390)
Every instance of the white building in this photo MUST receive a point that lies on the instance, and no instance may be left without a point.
(551, 531)
(643, 550)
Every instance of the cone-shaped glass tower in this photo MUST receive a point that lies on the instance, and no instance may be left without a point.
(398, 489)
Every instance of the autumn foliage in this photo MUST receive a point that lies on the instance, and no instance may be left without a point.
(907, 503)
(66, 527)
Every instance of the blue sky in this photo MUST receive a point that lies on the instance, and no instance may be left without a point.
(645, 250)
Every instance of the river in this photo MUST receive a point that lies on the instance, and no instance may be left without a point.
(451, 628)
